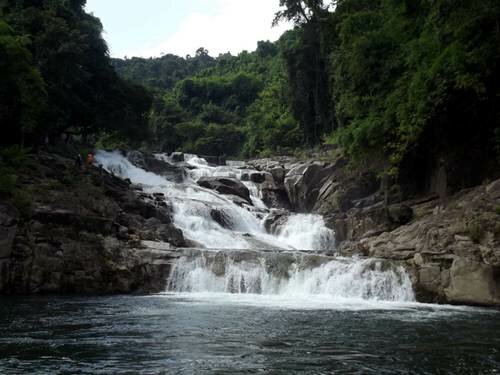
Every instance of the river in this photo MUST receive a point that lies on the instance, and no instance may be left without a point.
(227, 334)
(248, 301)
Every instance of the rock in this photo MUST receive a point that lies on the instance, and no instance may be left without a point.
(177, 157)
(137, 159)
(174, 236)
(473, 283)
(226, 186)
(214, 160)
(400, 214)
(173, 173)
(122, 233)
(153, 164)
(303, 184)
(154, 230)
(430, 278)
(64, 217)
(494, 189)
(8, 228)
(245, 177)
(237, 200)
(221, 218)
(257, 177)
(278, 174)
(275, 198)
(275, 220)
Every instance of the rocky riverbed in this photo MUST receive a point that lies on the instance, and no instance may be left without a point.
(89, 231)
(451, 247)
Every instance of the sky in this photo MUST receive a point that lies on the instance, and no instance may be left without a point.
(150, 28)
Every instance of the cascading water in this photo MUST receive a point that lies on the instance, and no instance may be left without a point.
(298, 277)
(193, 208)
(246, 269)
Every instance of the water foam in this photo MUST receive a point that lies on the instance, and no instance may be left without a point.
(339, 279)
(193, 208)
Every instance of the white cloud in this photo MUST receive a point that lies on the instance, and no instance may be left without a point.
(236, 25)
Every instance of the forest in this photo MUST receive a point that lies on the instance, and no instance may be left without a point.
(403, 85)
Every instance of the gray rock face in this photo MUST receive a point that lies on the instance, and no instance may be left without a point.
(303, 184)
(137, 159)
(257, 177)
(473, 283)
(226, 186)
(150, 163)
(275, 220)
(8, 227)
(221, 218)
(453, 252)
(84, 236)
(177, 157)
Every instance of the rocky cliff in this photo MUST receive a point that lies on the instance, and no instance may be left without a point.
(87, 231)
(451, 245)
(83, 231)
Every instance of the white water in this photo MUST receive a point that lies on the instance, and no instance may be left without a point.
(339, 279)
(275, 279)
(193, 204)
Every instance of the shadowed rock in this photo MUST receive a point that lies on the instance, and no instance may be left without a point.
(226, 186)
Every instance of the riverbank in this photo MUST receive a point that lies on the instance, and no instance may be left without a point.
(450, 245)
(80, 230)
(89, 231)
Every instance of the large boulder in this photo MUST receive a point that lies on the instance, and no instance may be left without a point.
(303, 184)
(214, 160)
(226, 186)
(275, 220)
(158, 166)
(177, 157)
(171, 172)
(257, 177)
(473, 283)
(137, 159)
(221, 218)
(452, 252)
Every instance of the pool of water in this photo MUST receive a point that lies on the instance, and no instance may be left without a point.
(228, 334)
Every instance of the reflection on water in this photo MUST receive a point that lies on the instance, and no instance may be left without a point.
(224, 333)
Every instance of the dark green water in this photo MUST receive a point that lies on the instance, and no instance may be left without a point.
(220, 335)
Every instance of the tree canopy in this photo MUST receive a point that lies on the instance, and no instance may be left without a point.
(58, 78)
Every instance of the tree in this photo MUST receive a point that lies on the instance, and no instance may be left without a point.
(22, 90)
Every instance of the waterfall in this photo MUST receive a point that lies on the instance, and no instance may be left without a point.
(193, 207)
(292, 277)
(245, 260)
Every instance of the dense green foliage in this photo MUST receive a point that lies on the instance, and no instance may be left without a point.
(229, 105)
(56, 76)
(415, 76)
(407, 85)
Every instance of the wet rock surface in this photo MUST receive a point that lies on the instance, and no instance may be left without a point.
(452, 250)
(163, 168)
(88, 231)
(226, 186)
